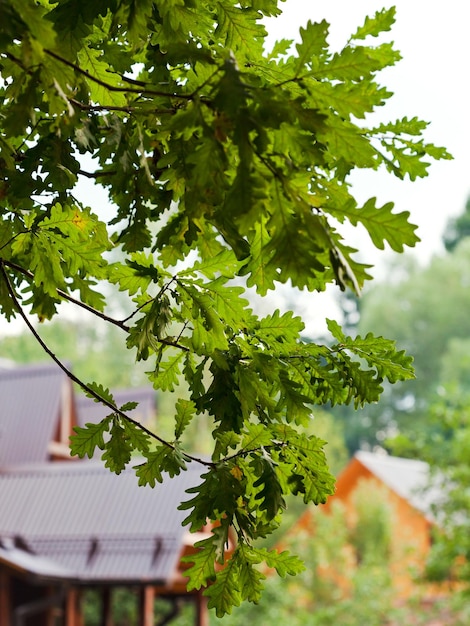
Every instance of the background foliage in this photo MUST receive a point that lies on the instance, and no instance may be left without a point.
(428, 418)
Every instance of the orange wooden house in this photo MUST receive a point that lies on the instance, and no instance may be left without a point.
(404, 485)
(68, 526)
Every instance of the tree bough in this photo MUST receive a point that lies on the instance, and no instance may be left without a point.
(222, 160)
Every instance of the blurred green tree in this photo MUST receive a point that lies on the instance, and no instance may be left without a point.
(457, 229)
(347, 578)
(427, 311)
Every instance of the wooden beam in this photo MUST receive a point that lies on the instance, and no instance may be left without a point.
(106, 607)
(202, 612)
(146, 606)
(5, 608)
(79, 604)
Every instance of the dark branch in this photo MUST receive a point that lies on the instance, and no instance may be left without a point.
(91, 392)
(66, 296)
(102, 83)
(119, 323)
(110, 107)
(96, 175)
(7, 243)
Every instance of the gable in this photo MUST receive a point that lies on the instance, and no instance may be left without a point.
(38, 411)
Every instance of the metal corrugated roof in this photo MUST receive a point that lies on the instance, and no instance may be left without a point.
(93, 523)
(30, 399)
(30, 406)
(113, 559)
(33, 564)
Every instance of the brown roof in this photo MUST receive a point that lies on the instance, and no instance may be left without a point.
(30, 404)
(90, 411)
(79, 522)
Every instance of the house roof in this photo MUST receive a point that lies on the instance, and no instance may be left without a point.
(409, 478)
(90, 411)
(30, 404)
(80, 522)
(75, 520)
(32, 401)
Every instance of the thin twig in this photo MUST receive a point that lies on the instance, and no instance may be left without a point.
(63, 294)
(137, 310)
(89, 390)
(275, 445)
(23, 232)
(96, 175)
(119, 323)
(102, 83)
(110, 107)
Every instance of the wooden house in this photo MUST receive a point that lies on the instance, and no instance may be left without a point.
(404, 485)
(70, 526)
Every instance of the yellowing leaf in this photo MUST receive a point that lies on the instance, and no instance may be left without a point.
(236, 472)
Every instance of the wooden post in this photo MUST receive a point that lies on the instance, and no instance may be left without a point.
(73, 607)
(80, 619)
(146, 608)
(106, 607)
(5, 608)
(202, 613)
